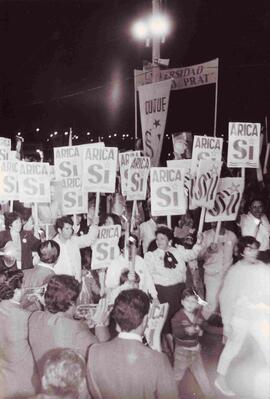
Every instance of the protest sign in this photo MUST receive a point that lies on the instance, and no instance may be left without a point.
(99, 169)
(68, 169)
(5, 147)
(34, 182)
(9, 180)
(186, 165)
(156, 318)
(205, 147)
(167, 191)
(154, 101)
(244, 145)
(204, 187)
(138, 173)
(227, 201)
(124, 159)
(105, 248)
(182, 78)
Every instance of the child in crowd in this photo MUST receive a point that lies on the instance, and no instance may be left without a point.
(186, 331)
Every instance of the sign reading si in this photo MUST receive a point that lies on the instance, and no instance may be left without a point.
(68, 170)
(9, 180)
(5, 147)
(34, 182)
(124, 159)
(244, 145)
(227, 201)
(105, 248)
(205, 147)
(137, 178)
(167, 191)
(99, 172)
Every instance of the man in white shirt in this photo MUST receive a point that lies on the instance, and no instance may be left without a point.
(69, 261)
(256, 224)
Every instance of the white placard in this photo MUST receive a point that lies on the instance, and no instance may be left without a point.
(156, 318)
(138, 173)
(205, 147)
(124, 159)
(105, 248)
(34, 182)
(9, 181)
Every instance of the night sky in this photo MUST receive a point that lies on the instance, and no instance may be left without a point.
(70, 64)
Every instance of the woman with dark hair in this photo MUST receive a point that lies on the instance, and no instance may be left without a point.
(55, 327)
(25, 241)
(16, 360)
(168, 269)
(110, 219)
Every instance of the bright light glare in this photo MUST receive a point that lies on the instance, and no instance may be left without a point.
(140, 30)
(159, 25)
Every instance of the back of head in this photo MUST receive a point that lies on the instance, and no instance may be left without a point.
(48, 251)
(246, 241)
(61, 293)
(130, 308)
(13, 280)
(63, 373)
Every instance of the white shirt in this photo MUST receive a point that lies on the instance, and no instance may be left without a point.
(257, 228)
(147, 233)
(129, 335)
(217, 263)
(69, 261)
(165, 276)
(119, 264)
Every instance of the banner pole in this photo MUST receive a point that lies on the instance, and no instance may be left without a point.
(133, 213)
(97, 204)
(11, 206)
(169, 221)
(203, 211)
(216, 98)
(217, 231)
(136, 111)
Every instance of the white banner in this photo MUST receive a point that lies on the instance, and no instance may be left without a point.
(186, 165)
(182, 78)
(227, 201)
(99, 169)
(5, 147)
(167, 191)
(68, 169)
(156, 318)
(204, 187)
(154, 101)
(105, 248)
(138, 173)
(124, 158)
(9, 180)
(34, 182)
(205, 147)
(244, 145)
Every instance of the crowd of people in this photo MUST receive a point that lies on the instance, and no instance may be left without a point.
(219, 278)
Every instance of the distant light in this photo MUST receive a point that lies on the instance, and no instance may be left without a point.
(48, 139)
(140, 30)
(55, 133)
(127, 135)
(51, 135)
(91, 140)
(102, 138)
(159, 25)
(19, 133)
(115, 134)
(38, 150)
(88, 133)
(66, 133)
(37, 129)
(109, 136)
(123, 135)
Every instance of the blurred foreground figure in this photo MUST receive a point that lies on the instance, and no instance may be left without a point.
(133, 370)
(245, 309)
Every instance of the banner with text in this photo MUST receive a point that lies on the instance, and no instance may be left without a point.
(227, 201)
(156, 318)
(186, 165)
(5, 147)
(167, 191)
(34, 182)
(138, 173)
(9, 180)
(154, 101)
(244, 145)
(204, 186)
(105, 248)
(124, 158)
(99, 169)
(182, 78)
(68, 169)
(205, 147)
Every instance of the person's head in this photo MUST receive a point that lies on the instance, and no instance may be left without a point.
(186, 220)
(78, 218)
(13, 221)
(256, 207)
(189, 300)
(111, 219)
(248, 248)
(61, 293)
(63, 373)
(48, 251)
(132, 243)
(124, 277)
(11, 287)
(130, 310)
(164, 237)
(64, 227)
(189, 240)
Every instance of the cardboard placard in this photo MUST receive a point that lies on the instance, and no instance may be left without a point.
(138, 173)
(9, 189)
(207, 148)
(34, 182)
(105, 248)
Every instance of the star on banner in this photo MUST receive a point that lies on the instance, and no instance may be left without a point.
(234, 188)
(156, 123)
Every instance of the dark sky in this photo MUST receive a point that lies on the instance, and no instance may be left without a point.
(70, 63)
